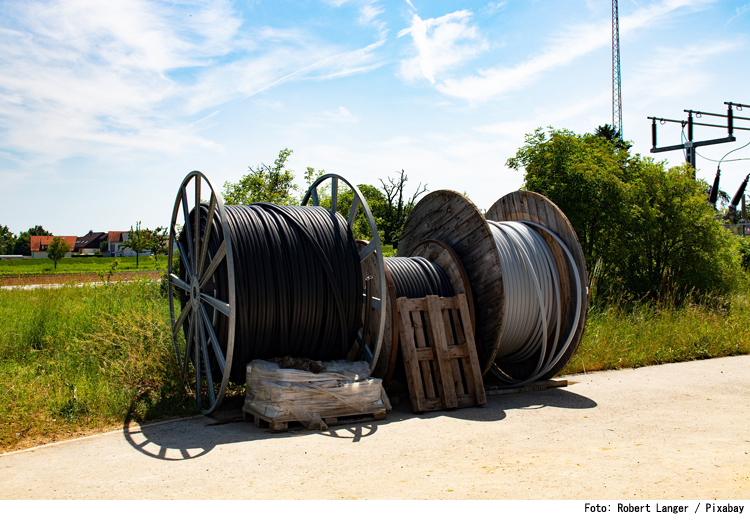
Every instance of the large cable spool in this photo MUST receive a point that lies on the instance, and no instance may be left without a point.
(453, 219)
(264, 280)
(550, 223)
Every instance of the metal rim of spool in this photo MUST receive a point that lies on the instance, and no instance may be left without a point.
(372, 251)
(200, 269)
(386, 363)
(452, 218)
(529, 206)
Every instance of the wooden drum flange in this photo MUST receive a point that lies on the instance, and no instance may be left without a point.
(451, 218)
(528, 206)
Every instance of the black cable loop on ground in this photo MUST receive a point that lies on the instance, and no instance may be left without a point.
(298, 284)
(416, 277)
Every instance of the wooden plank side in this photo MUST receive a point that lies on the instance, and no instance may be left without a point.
(476, 373)
(413, 376)
(441, 348)
(425, 366)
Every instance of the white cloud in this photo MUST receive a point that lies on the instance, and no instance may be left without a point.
(675, 73)
(738, 12)
(441, 43)
(82, 76)
(569, 45)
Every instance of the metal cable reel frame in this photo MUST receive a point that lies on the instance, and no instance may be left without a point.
(204, 311)
(372, 254)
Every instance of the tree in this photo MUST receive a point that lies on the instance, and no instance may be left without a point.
(648, 228)
(273, 184)
(7, 241)
(584, 176)
(138, 241)
(23, 243)
(57, 249)
(157, 241)
(397, 209)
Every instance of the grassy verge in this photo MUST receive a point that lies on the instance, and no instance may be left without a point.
(81, 358)
(76, 359)
(44, 266)
(640, 335)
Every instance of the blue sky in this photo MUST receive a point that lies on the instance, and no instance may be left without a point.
(106, 106)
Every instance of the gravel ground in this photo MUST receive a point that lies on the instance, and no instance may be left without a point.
(679, 431)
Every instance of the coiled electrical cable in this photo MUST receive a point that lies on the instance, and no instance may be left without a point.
(298, 284)
(532, 303)
(415, 277)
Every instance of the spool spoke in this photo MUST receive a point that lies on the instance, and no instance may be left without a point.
(353, 210)
(207, 364)
(197, 209)
(188, 349)
(375, 302)
(218, 353)
(334, 194)
(315, 199)
(197, 360)
(207, 234)
(174, 279)
(368, 249)
(216, 303)
(181, 318)
(186, 215)
(220, 255)
(184, 258)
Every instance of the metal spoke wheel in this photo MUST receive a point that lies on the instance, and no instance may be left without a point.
(370, 335)
(205, 286)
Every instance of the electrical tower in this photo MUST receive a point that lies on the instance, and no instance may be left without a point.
(616, 89)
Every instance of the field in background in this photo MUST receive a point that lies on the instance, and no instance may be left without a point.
(43, 266)
(77, 358)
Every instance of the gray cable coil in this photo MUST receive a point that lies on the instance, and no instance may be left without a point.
(532, 310)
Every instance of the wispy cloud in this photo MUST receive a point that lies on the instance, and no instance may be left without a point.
(83, 75)
(571, 44)
(674, 73)
(440, 43)
(738, 12)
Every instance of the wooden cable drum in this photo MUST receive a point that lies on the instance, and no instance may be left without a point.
(454, 220)
(451, 218)
(437, 253)
(548, 220)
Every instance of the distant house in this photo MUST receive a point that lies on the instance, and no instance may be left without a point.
(115, 239)
(40, 244)
(90, 243)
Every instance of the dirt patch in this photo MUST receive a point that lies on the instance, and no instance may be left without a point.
(63, 278)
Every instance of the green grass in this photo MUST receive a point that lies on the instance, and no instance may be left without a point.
(43, 266)
(76, 358)
(646, 334)
(83, 357)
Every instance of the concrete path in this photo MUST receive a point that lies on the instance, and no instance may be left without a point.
(677, 431)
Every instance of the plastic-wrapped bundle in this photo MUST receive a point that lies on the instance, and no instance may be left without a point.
(342, 389)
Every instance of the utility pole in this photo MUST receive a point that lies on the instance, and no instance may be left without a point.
(616, 85)
(690, 146)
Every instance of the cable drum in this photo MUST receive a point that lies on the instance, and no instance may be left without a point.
(416, 277)
(532, 314)
(298, 284)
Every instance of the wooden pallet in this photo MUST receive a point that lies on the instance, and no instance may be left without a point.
(281, 425)
(437, 341)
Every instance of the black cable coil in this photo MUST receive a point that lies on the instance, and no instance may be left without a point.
(415, 277)
(298, 284)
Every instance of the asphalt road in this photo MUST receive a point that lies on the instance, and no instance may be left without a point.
(678, 431)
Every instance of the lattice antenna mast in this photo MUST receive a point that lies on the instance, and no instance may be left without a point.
(616, 88)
